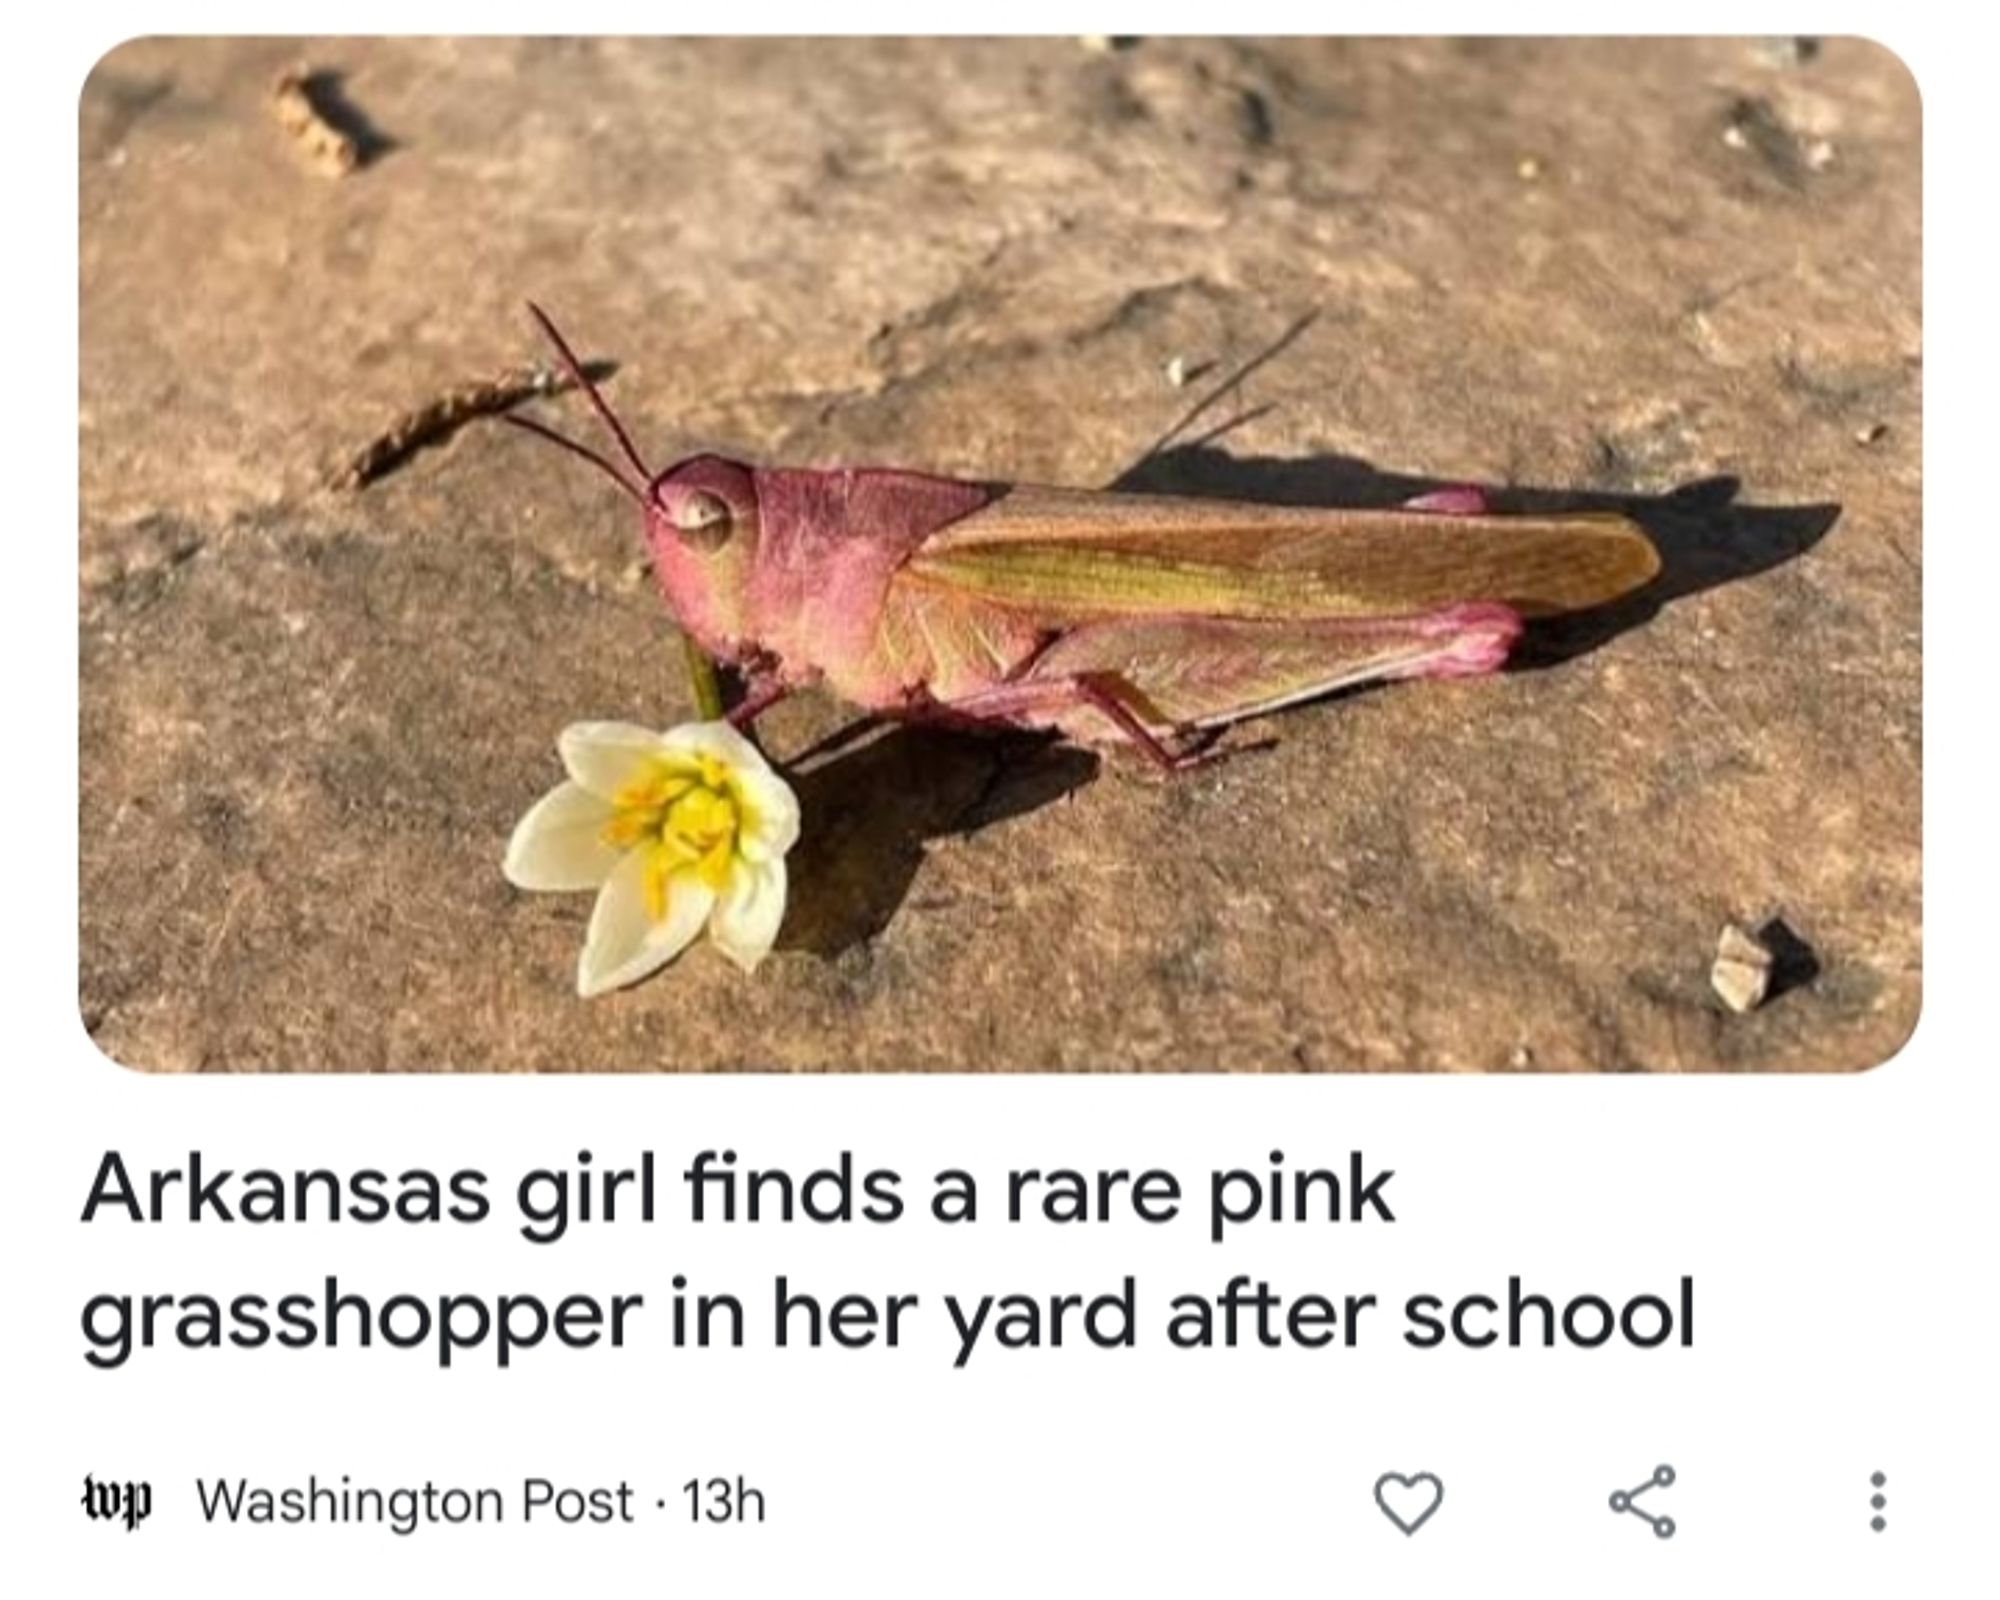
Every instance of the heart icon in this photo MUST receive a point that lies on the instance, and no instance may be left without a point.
(1409, 1502)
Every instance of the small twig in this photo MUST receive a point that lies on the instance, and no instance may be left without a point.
(329, 148)
(440, 418)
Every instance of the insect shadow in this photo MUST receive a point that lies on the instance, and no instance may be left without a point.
(1704, 535)
(1794, 963)
(327, 91)
(875, 794)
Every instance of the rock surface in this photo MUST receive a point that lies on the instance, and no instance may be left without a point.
(1570, 270)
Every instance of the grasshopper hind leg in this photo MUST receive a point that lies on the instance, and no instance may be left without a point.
(1068, 704)
(1167, 686)
(1457, 500)
(1191, 674)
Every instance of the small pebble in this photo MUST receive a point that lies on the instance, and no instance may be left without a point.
(1177, 372)
(1527, 169)
(1735, 137)
(1788, 52)
(1874, 433)
(1819, 154)
(1742, 971)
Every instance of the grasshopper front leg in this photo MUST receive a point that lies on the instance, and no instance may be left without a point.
(765, 683)
(759, 695)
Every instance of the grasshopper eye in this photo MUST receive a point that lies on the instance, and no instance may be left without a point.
(702, 519)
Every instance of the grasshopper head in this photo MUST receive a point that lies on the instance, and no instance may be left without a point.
(701, 525)
(701, 518)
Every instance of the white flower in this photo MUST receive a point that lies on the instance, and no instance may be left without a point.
(675, 831)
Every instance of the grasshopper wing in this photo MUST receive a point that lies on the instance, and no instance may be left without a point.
(1202, 672)
(1069, 556)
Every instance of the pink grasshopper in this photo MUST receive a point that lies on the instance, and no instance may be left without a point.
(1137, 620)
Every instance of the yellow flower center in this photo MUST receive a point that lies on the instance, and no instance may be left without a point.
(685, 812)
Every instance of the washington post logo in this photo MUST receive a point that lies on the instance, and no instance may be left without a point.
(130, 1503)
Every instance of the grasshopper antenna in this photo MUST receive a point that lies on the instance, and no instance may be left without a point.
(528, 425)
(574, 368)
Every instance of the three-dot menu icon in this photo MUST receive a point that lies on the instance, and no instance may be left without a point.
(1879, 1501)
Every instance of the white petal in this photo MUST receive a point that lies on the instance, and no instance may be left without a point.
(745, 924)
(560, 844)
(770, 815)
(605, 756)
(624, 942)
(715, 739)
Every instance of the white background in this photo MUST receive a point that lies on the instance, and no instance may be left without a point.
(1837, 1228)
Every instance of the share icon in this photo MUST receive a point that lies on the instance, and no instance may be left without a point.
(1627, 1500)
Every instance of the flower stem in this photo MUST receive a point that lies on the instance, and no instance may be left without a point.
(701, 674)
